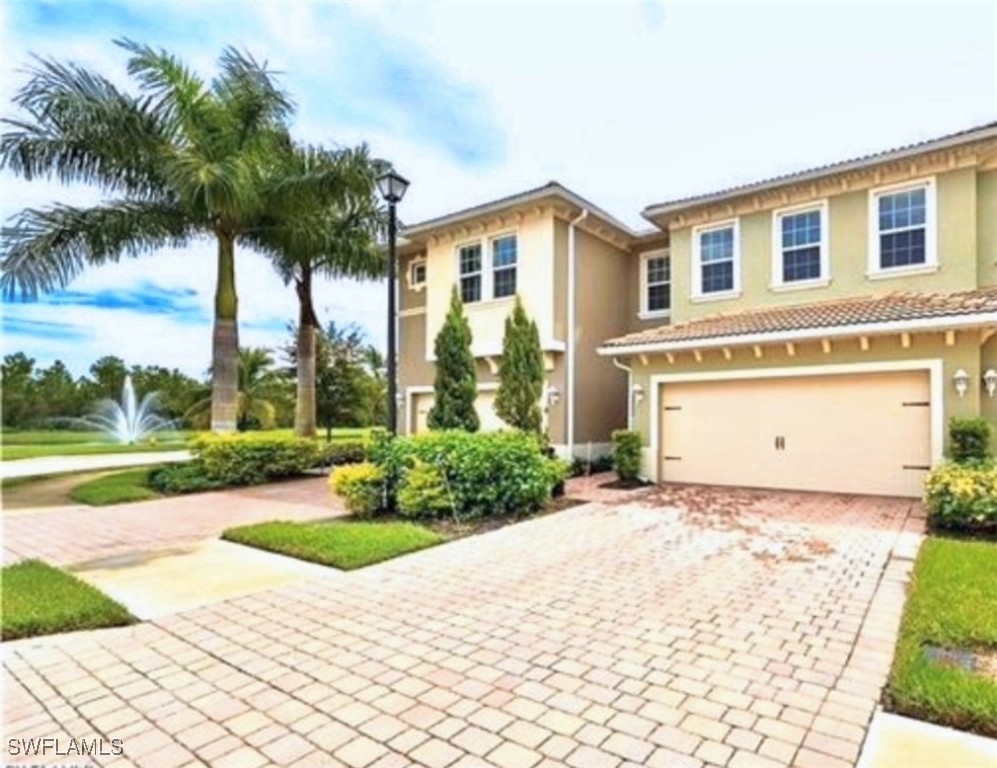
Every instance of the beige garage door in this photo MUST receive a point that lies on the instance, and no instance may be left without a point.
(866, 433)
(484, 405)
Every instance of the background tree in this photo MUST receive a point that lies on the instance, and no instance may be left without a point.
(521, 373)
(179, 160)
(58, 394)
(260, 390)
(107, 377)
(177, 391)
(20, 399)
(331, 232)
(456, 384)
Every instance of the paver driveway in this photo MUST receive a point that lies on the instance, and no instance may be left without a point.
(682, 627)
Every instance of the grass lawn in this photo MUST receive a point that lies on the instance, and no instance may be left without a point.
(37, 599)
(117, 488)
(952, 604)
(344, 545)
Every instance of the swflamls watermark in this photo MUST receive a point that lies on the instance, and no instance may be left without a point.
(73, 747)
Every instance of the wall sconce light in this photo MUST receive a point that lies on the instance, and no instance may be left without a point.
(553, 396)
(638, 393)
(400, 400)
(990, 381)
(961, 381)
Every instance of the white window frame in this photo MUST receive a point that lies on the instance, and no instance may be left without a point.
(492, 269)
(412, 283)
(487, 269)
(482, 272)
(875, 271)
(777, 283)
(645, 313)
(697, 264)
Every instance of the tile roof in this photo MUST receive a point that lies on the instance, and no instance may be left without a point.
(864, 310)
(967, 135)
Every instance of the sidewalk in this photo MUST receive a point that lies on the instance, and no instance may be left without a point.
(53, 465)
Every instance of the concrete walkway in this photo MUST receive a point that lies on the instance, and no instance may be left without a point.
(53, 465)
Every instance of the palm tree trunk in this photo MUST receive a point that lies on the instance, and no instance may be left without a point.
(305, 404)
(225, 342)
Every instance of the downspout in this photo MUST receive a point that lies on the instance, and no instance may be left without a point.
(630, 391)
(570, 398)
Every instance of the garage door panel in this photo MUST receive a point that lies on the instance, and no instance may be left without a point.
(832, 433)
(489, 421)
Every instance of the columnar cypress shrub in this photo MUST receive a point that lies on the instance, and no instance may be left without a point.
(521, 373)
(456, 383)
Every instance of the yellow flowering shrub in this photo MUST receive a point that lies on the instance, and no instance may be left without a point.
(361, 486)
(962, 497)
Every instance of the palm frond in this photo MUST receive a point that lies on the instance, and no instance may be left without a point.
(46, 248)
(80, 127)
(250, 93)
(178, 93)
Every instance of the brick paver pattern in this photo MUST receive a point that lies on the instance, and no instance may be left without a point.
(679, 627)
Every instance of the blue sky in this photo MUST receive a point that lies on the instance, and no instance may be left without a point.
(628, 103)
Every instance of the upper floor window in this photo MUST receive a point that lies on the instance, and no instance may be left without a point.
(800, 255)
(417, 274)
(504, 266)
(716, 265)
(656, 284)
(469, 258)
(902, 228)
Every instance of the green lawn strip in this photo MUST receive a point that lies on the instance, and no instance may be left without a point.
(952, 603)
(37, 599)
(344, 545)
(16, 452)
(117, 488)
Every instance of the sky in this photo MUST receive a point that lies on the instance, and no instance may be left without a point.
(626, 103)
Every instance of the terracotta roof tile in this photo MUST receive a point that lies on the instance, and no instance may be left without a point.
(864, 310)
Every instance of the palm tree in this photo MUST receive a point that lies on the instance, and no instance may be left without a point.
(182, 159)
(331, 232)
(258, 383)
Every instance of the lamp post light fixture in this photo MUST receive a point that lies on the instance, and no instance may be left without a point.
(990, 381)
(392, 188)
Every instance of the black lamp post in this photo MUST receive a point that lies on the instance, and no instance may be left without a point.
(392, 188)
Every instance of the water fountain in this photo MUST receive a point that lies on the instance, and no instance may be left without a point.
(129, 420)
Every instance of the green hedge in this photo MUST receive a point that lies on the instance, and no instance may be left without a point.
(343, 452)
(963, 497)
(626, 454)
(252, 459)
(483, 474)
(970, 439)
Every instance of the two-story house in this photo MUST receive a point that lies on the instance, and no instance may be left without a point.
(815, 331)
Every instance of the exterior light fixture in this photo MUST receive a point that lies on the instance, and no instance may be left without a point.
(961, 381)
(392, 188)
(990, 381)
(553, 396)
(638, 393)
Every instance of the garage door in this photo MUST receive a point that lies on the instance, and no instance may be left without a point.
(484, 405)
(866, 433)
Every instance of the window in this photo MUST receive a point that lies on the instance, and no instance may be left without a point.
(901, 222)
(656, 284)
(504, 267)
(417, 274)
(800, 249)
(469, 257)
(717, 254)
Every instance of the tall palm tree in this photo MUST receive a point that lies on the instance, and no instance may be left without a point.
(179, 160)
(332, 233)
(258, 382)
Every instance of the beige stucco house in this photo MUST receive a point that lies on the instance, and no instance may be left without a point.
(814, 331)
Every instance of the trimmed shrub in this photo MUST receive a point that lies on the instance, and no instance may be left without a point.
(252, 459)
(423, 492)
(343, 452)
(361, 486)
(969, 438)
(962, 497)
(626, 453)
(184, 477)
(599, 464)
(489, 474)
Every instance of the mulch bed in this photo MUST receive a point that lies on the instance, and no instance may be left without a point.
(625, 485)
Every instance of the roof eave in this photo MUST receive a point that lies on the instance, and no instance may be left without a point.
(947, 322)
(661, 209)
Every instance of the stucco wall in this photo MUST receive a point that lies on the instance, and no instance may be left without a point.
(534, 282)
(848, 229)
(965, 354)
(986, 228)
(408, 298)
(988, 405)
(601, 313)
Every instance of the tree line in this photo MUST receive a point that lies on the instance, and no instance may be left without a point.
(178, 158)
(349, 392)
